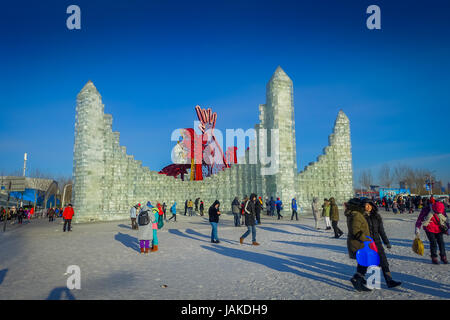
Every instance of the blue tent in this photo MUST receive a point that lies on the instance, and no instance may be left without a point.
(29, 195)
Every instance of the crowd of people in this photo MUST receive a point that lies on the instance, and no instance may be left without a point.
(406, 203)
(16, 216)
(246, 212)
(364, 223)
(193, 208)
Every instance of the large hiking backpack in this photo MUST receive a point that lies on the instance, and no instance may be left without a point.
(158, 218)
(143, 218)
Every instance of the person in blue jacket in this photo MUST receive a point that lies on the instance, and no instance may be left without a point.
(173, 210)
(279, 205)
(294, 209)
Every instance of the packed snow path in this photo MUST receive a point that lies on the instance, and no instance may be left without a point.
(294, 261)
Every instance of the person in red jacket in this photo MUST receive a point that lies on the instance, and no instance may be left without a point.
(430, 219)
(67, 216)
(432, 200)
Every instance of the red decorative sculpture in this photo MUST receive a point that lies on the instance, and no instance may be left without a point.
(195, 147)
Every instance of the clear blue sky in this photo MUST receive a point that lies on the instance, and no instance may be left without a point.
(153, 61)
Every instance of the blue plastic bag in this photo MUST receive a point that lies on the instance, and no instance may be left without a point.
(367, 257)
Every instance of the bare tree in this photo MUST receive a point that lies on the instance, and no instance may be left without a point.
(62, 182)
(410, 179)
(39, 182)
(64, 188)
(14, 173)
(386, 176)
(401, 173)
(36, 173)
(422, 176)
(365, 179)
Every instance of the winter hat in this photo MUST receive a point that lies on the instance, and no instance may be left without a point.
(139, 204)
(215, 202)
(369, 202)
(438, 207)
(355, 204)
(374, 206)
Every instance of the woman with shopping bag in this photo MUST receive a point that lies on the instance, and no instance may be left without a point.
(433, 219)
(358, 233)
(417, 246)
(377, 233)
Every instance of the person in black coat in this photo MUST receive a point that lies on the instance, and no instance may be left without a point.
(250, 219)
(202, 208)
(214, 214)
(377, 233)
(20, 215)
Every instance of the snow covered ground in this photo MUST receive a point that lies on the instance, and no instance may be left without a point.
(294, 261)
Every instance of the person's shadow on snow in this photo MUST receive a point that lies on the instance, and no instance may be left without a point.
(425, 286)
(124, 226)
(339, 249)
(193, 232)
(408, 281)
(278, 230)
(297, 234)
(128, 241)
(57, 293)
(297, 225)
(177, 232)
(320, 266)
(343, 249)
(3, 273)
(408, 243)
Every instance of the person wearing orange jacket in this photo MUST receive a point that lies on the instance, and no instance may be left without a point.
(67, 216)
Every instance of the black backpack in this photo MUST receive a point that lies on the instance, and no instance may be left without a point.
(143, 218)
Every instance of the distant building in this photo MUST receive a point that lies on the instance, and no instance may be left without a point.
(438, 186)
(392, 192)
